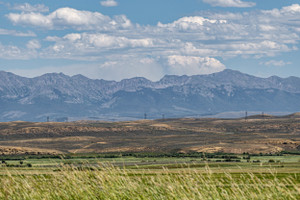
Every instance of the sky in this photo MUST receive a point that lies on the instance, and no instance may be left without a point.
(118, 39)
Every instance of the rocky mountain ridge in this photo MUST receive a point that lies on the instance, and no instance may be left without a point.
(58, 95)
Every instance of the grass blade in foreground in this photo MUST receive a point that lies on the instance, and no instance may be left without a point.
(110, 182)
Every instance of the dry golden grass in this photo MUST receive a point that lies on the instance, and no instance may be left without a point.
(9, 150)
(108, 182)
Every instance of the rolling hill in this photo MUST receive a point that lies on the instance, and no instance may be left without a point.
(257, 134)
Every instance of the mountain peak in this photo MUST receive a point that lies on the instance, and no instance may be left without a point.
(229, 72)
(58, 95)
(4, 73)
(55, 74)
(80, 77)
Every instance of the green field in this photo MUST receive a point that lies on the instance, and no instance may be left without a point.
(147, 176)
(182, 159)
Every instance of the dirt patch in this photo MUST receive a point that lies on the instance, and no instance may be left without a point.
(161, 125)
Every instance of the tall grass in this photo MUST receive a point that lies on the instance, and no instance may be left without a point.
(108, 182)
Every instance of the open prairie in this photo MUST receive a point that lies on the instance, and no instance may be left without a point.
(152, 159)
(257, 134)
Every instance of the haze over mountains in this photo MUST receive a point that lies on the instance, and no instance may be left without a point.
(59, 96)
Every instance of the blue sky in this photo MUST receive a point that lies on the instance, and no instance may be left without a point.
(117, 39)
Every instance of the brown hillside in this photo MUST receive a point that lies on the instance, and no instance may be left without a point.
(257, 134)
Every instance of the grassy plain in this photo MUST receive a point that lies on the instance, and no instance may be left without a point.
(257, 158)
(150, 178)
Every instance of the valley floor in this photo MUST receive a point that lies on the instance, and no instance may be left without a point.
(133, 177)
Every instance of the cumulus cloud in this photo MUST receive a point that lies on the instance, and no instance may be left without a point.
(224, 35)
(287, 10)
(89, 45)
(66, 18)
(26, 7)
(295, 8)
(190, 65)
(190, 23)
(33, 44)
(188, 45)
(257, 49)
(17, 33)
(277, 63)
(31, 19)
(109, 3)
(12, 52)
(128, 67)
(232, 34)
(230, 3)
(8, 52)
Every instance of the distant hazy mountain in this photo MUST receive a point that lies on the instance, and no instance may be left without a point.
(59, 96)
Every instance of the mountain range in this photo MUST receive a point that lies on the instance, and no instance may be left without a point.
(61, 97)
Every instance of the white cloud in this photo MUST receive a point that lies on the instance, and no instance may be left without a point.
(189, 23)
(92, 46)
(294, 8)
(223, 35)
(189, 45)
(17, 33)
(70, 37)
(107, 41)
(230, 3)
(228, 35)
(8, 52)
(109, 3)
(277, 63)
(128, 67)
(67, 18)
(190, 65)
(33, 44)
(257, 49)
(11, 52)
(32, 19)
(26, 7)
(287, 10)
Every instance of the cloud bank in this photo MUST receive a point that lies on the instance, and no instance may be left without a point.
(26, 7)
(189, 45)
(69, 18)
